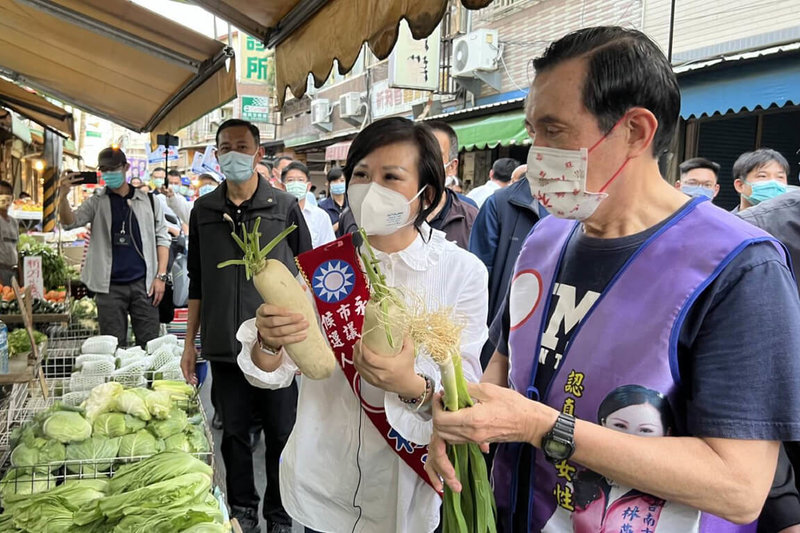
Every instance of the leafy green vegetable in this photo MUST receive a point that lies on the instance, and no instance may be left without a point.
(55, 271)
(134, 424)
(52, 453)
(110, 425)
(25, 481)
(102, 398)
(165, 465)
(66, 427)
(52, 510)
(159, 403)
(171, 493)
(92, 455)
(139, 444)
(132, 403)
(25, 455)
(175, 423)
(19, 342)
(197, 439)
(178, 442)
(179, 390)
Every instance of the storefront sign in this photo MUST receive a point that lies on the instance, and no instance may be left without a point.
(258, 63)
(389, 101)
(414, 64)
(256, 108)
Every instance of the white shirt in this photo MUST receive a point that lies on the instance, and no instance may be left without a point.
(480, 194)
(319, 225)
(335, 456)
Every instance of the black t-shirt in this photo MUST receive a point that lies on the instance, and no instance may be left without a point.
(728, 384)
(127, 260)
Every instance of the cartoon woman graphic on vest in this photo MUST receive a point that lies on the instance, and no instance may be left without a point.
(601, 505)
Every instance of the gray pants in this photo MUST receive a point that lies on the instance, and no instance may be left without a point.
(124, 299)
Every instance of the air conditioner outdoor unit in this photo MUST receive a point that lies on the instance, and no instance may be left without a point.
(320, 111)
(350, 105)
(476, 51)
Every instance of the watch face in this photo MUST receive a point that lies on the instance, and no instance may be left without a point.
(556, 449)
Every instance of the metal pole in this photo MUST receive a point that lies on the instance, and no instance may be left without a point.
(671, 30)
(53, 151)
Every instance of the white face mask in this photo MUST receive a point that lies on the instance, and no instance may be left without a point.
(380, 210)
(236, 166)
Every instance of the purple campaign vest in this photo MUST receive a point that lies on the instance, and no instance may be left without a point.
(625, 347)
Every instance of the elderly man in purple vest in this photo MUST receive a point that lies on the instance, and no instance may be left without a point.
(638, 384)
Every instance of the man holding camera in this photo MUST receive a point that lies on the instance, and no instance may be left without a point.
(126, 266)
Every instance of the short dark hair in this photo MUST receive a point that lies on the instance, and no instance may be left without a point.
(334, 174)
(236, 122)
(699, 162)
(503, 169)
(23, 194)
(295, 165)
(628, 395)
(174, 173)
(6, 185)
(159, 169)
(452, 137)
(206, 176)
(282, 158)
(395, 130)
(750, 161)
(625, 69)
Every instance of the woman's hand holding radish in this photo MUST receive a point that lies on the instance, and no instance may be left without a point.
(279, 327)
(392, 374)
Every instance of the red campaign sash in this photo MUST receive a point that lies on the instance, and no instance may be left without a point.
(341, 294)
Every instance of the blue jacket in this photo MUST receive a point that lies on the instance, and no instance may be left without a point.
(498, 233)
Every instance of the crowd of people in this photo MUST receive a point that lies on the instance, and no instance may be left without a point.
(630, 346)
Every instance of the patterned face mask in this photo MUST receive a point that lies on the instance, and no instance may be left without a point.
(557, 179)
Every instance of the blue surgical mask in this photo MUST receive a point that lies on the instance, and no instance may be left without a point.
(183, 190)
(765, 190)
(297, 189)
(237, 167)
(697, 191)
(114, 179)
(205, 189)
(338, 188)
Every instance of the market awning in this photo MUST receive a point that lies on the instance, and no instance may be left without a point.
(740, 83)
(489, 132)
(116, 60)
(20, 130)
(338, 151)
(34, 107)
(310, 34)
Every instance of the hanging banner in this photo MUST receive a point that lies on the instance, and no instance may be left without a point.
(32, 275)
(414, 64)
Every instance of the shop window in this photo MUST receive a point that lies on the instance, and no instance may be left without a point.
(724, 140)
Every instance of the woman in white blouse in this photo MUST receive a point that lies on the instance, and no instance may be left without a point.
(338, 474)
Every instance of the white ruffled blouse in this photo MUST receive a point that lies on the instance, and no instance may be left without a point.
(337, 472)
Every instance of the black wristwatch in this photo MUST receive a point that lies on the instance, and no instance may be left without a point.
(558, 444)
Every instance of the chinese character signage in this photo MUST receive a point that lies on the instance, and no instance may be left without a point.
(32, 273)
(258, 63)
(414, 64)
(256, 108)
(389, 101)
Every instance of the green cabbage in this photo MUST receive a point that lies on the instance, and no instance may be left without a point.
(134, 424)
(110, 425)
(102, 399)
(159, 404)
(66, 427)
(178, 442)
(179, 390)
(25, 455)
(197, 439)
(175, 493)
(132, 403)
(139, 444)
(52, 453)
(52, 510)
(92, 455)
(175, 423)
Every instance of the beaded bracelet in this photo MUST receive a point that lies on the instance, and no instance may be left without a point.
(419, 400)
